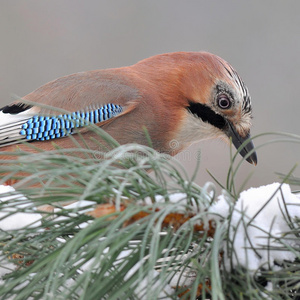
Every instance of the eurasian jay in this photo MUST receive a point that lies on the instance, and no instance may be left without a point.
(179, 98)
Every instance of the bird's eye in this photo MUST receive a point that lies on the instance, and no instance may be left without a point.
(223, 101)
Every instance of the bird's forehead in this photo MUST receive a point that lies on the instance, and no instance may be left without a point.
(242, 96)
(231, 76)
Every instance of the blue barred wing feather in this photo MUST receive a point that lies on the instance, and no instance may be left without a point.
(44, 128)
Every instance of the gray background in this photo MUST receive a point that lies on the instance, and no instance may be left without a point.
(43, 40)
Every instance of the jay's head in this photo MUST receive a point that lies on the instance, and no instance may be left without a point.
(215, 100)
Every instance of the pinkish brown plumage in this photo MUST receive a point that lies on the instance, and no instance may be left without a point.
(182, 96)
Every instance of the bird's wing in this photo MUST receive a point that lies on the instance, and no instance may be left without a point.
(60, 107)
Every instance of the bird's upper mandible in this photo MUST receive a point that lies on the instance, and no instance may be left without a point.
(180, 98)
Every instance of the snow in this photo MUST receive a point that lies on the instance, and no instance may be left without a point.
(182, 202)
(150, 285)
(260, 220)
(81, 206)
(16, 220)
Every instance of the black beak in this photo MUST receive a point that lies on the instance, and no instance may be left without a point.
(238, 140)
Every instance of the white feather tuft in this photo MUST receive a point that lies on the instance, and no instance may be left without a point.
(11, 125)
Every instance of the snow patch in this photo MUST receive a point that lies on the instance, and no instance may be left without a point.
(262, 219)
(10, 219)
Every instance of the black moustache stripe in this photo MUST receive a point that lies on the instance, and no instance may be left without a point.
(207, 114)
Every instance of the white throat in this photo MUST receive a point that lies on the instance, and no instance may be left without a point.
(193, 129)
